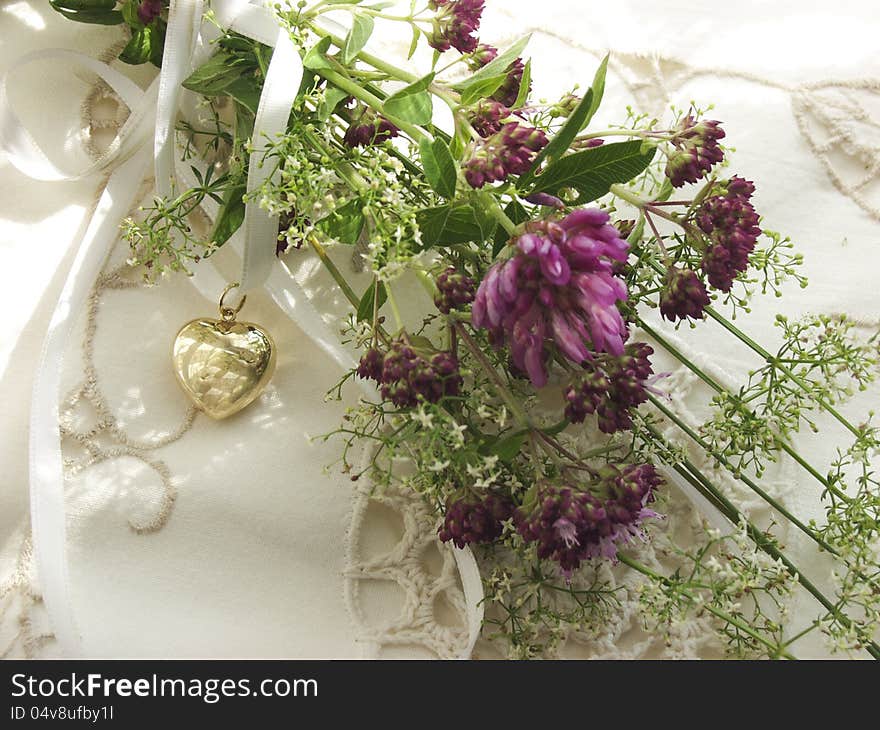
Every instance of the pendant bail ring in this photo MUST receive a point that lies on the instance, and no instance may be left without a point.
(227, 314)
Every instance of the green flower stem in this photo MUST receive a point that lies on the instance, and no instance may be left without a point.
(663, 252)
(695, 437)
(498, 213)
(536, 457)
(340, 279)
(775, 362)
(346, 171)
(554, 444)
(808, 531)
(394, 18)
(619, 133)
(389, 69)
(358, 92)
(334, 271)
(644, 206)
(776, 651)
(427, 283)
(722, 459)
(783, 445)
(503, 391)
(624, 194)
(374, 61)
(394, 308)
(756, 535)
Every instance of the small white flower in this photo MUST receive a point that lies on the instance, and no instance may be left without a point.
(425, 419)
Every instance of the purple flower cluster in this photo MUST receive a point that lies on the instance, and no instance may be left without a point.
(683, 295)
(551, 201)
(483, 54)
(407, 378)
(472, 520)
(559, 284)
(456, 24)
(508, 92)
(563, 523)
(149, 10)
(570, 526)
(696, 150)
(610, 387)
(454, 290)
(730, 222)
(486, 116)
(509, 151)
(369, 129)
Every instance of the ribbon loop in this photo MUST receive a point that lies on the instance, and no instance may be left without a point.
(179, 39)
(260, 227)
(26, 153)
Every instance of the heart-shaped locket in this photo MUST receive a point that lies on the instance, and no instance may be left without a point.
(222, 364)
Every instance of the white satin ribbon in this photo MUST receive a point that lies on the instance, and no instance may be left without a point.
(48, 516)
(27, 155)
(179, 41)
(187, 44)
(261, 228)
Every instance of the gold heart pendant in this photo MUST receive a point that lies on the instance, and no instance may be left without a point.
(223, 365)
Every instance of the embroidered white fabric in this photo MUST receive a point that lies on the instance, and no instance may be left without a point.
(188, 539)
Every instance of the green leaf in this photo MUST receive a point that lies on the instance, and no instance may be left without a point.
(506, 448)
(218, 77)
(556, 428)
(346, 223)
(482, 89)
(361, 30)
(593, 171)
(369, 302)
(244, 129)
(75, 5)
(140, 47)
(419, 85)
(414, 44)
(96, 12)
(231, 214)
(236, 43)
(212, 76)
(332, 97)
(577, 121)
(263, 56)
(129, 13)
(316, 57)
(497, 65)
(518, 214)
(158, 48)
(412, 103)
(523, 96)
(598, 89)
(439, 166)
(447, 225)
(246, 91)
(97, 17)
(561, 141)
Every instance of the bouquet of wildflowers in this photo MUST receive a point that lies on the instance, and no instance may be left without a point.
(529, 397)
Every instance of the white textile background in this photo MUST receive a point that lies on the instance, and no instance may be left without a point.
(252, 561)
